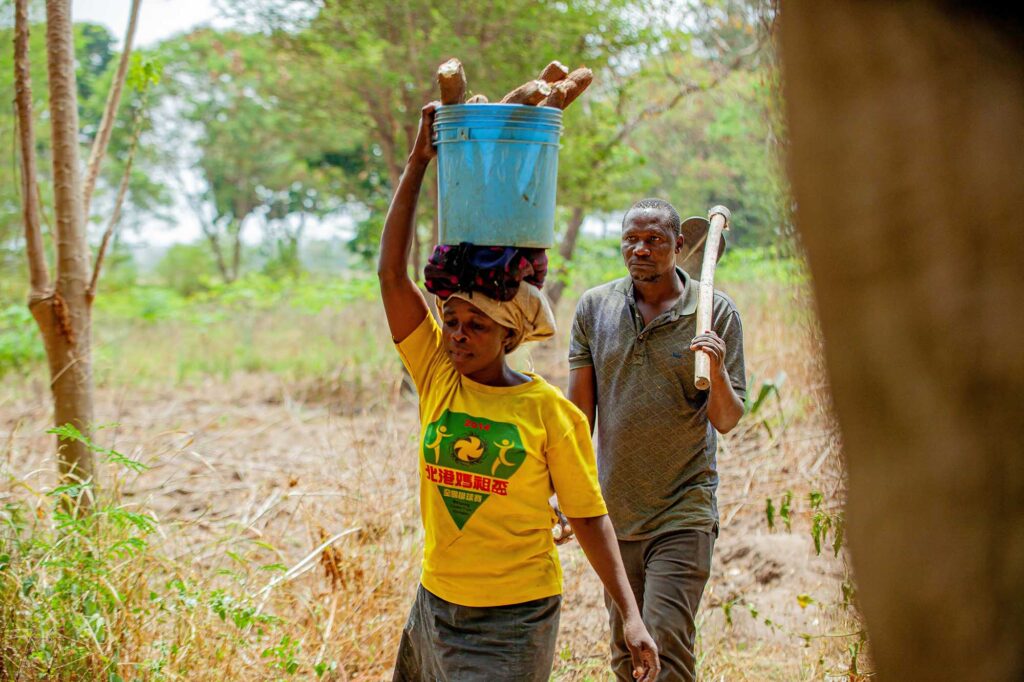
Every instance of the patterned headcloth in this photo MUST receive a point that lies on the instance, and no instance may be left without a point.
(528, 314)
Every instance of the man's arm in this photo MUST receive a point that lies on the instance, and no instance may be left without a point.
(724, 407)
(583, 392)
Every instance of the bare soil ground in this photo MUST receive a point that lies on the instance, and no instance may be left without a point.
(256, 470)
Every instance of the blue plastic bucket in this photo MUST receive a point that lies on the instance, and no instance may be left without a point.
(497, 168)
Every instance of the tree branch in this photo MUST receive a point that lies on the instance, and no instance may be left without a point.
(684, 91)
(99, 145)
(115, 216)
(39, 276)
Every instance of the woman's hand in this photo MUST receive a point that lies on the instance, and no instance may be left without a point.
(642, 649)
(597, 538)
(423, 149)
(562, 530)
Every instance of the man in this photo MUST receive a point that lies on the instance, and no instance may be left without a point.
(631, 363)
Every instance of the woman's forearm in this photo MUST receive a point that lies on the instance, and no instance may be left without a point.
(597, 538)
(404, 305)
(396, 238)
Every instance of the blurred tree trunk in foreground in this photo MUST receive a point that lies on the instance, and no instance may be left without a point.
(906, 160)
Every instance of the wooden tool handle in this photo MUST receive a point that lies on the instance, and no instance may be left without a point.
(719, 217)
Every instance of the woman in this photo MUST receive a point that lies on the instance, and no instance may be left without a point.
(496, 443)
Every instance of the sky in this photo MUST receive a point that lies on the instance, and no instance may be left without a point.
(158, 19)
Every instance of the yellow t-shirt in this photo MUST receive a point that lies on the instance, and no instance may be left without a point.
(490, 457)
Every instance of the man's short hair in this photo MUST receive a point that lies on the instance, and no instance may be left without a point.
(651, 204)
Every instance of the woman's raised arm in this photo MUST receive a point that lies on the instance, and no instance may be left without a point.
(404, 304)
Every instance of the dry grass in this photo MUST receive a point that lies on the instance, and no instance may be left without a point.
(251, 473)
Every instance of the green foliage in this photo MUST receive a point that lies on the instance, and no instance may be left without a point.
(187, 268)
(760, 264)
(361, 76)
(255, 324)
(768, 388)
(87, 593)
(718, 148)
(823, 522)
(144, 71)
(96, 62)
(785, 509)
(260, 159)
(598, 260)
(20, 343)
(68, 432)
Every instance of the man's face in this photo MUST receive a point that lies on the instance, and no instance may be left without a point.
(649, 245)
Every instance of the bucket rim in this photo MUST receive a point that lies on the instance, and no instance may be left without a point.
(490, 109)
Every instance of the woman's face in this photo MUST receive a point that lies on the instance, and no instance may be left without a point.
(474, 342)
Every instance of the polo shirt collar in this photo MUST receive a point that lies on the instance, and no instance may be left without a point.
(686, 306)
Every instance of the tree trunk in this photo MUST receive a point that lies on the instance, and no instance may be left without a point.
(39, 278)
(906, 160)
(66, 322)
(236, 249)
(210, 232)
(565, 251)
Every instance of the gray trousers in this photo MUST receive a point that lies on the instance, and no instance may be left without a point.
(445, 642)
(668, 574)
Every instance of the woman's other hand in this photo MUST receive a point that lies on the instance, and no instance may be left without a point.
(642, 649)
(423, 149)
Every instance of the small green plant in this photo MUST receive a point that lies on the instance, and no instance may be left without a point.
(284, 655)
(823, 522)
(87, 593)
(784, 511)
(67, 432)
(753, 409)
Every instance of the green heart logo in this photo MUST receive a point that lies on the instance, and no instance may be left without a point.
(469, 459)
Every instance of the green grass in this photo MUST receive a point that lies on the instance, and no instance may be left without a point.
(307, 328)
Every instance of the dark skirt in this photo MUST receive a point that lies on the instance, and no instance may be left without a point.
(445, 642)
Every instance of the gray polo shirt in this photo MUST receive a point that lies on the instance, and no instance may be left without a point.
(656, 447)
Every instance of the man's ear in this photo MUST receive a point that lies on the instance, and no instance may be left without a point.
(680, 241)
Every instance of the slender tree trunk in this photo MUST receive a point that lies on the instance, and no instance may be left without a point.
(236, 247)
(39, 278)
(67, 327)
(565, 251)
(210, 232)
(906, 159)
